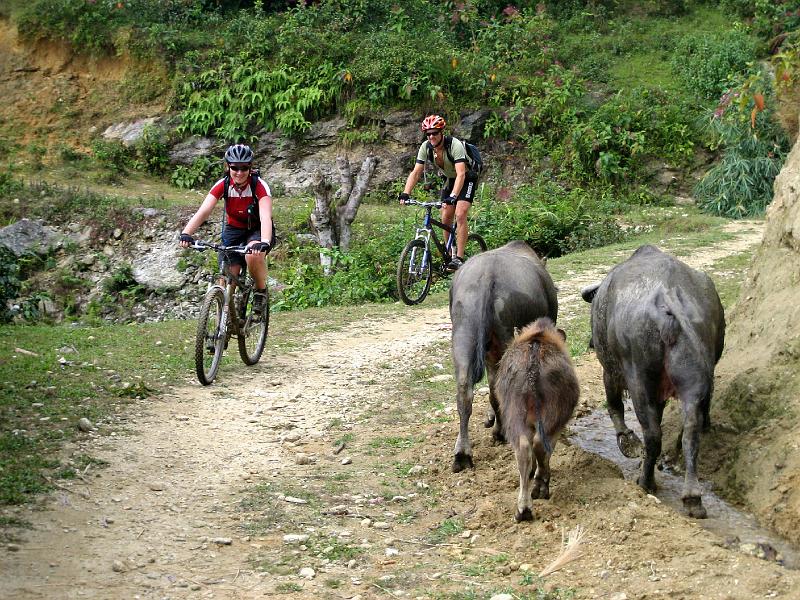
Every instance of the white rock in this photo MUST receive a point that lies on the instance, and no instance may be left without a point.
(307, 573)
(295, 538)
(502, 597)
(222, 541)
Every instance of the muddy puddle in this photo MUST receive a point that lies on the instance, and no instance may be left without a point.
(737, 530)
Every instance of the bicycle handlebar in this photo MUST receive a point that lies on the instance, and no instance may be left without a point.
(201, 245)
(411, 201)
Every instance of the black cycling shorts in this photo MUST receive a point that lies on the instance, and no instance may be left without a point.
(234, 236)
(467, 190)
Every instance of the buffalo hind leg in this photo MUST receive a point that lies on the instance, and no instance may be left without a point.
(541, 479)
(524, 455)
(694, 417)
(649, 411)
(497, 431)
(629, 444)
(464, 397)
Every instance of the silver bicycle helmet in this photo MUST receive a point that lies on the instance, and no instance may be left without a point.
(239, 153)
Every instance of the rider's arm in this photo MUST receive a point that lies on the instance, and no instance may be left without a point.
(201, 215)
(461, 175)
(265, 213)
(413, 177)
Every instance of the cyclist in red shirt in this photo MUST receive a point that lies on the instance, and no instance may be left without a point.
(247, 220)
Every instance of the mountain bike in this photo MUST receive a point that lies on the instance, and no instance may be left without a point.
(416, 268)
(228, 311)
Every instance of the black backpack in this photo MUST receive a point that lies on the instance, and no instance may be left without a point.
(474, 159)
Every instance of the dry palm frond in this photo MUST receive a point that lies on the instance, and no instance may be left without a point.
(572, 550)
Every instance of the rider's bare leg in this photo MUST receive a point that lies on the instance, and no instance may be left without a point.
(257, 265)
(461, 226)
(447, 218)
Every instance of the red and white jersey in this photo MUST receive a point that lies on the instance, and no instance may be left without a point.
(239, 200)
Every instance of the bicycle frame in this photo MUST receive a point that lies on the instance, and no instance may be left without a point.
(427, 232)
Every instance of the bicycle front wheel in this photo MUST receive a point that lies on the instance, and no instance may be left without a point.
(414, 273)
(210, 340)
(475, 245)
(253, 328)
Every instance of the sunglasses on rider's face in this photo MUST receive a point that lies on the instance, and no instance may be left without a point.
(432, 133)
(238, 168)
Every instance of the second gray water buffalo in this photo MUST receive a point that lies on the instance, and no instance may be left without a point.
(658, 328)
(493, 293)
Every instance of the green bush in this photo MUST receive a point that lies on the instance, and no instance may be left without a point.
(710, 63)
(612, 141)
(753, 150)
(9, 282)
(195, 175)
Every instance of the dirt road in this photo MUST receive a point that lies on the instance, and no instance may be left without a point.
(325, 473)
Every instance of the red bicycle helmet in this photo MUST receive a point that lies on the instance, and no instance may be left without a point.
(432, 122)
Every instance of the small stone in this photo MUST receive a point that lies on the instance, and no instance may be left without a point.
(118, 567)
(85, 424)
(293, 500)
(347, 460)
(12, 547)
(307, 573)
(502, 597)
(295, 538)
(221, 541)
(391, 552)
(303, 459)
(156, 486)
(381, 525)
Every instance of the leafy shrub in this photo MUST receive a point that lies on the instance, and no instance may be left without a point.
(366, 274)
(150, 152)
(195, 175)
(710, 63)
(642, 122)
(229, 101)
(9, 282)
(121, 280)
(549, 218)
(112, 153)
(754, 148)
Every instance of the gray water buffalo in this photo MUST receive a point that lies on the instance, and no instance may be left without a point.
(537, 390)
(658, 328)
(493, 293)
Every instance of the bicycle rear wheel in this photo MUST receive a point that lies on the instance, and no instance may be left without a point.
(475, 245)
(414, 273)
(209, 342)
(252, 328)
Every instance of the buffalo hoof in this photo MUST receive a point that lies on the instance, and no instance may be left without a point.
(489, 420)
(525, 515)
(540, 491)
(461, 462)
(498, 437)
(694, 507)
(629, 444)
(648, 485)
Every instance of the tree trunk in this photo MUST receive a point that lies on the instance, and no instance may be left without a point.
(321, 221)
(331, 221)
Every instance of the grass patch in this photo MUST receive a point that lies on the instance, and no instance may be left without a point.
(393, 443)
(446, 529)
(90, 372)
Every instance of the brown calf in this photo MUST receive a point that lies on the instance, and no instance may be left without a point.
(537, 391)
